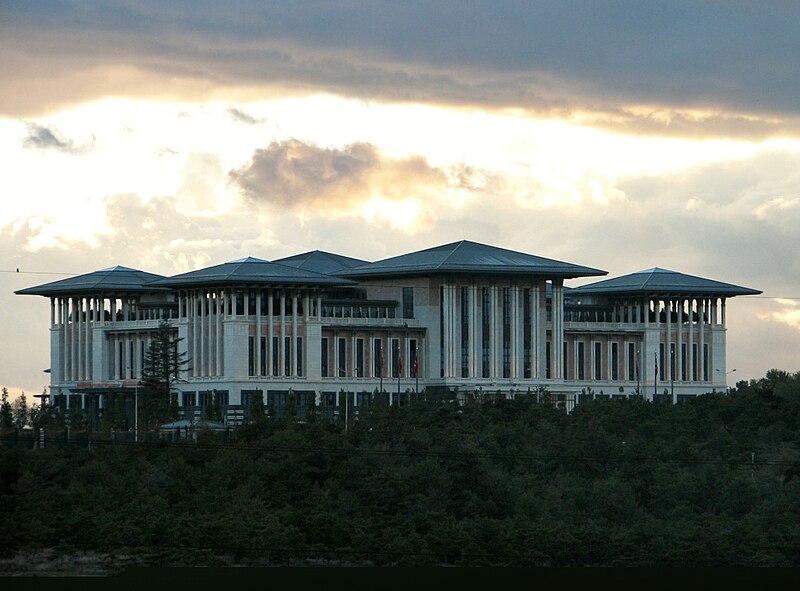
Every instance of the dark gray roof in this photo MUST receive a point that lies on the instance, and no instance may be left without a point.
(250, 270)
(469, 257)
(662, 281)
(321, 262)
(113, 280)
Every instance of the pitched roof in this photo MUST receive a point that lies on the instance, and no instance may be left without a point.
(250, 270)
(662, 281)
(114, 279)
(321, 262)
(469, 257)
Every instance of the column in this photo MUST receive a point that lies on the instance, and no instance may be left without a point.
(722, 312)
(270, 331)
(515, 334)
(536, 341)
(702, 328)
(257, 348)
(557, 355)
(195, 344)
(293, 347)
(218, 351)
(679, 346)
(281, 341)
(690, 346)
(201, 300)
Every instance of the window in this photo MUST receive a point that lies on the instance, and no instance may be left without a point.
(683, 362)
(377, 358)
(413, 363)
(662, 371)
(408, 302)
(341, 357)
(287, 356)
(239, 302)
(694, 362)
(324, 360)
(547, 350)
(188, 399)
(598, 360)
(275, 357)
(359, 358)
(397, 362)
(251, 356)
(705, 362)
(263, 356)
(632, 361)
(299, 351)
(614, 361)
(580, 360)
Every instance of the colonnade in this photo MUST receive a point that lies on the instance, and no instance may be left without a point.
(268, 313)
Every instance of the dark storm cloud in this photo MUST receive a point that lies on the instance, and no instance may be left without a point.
(739, 57)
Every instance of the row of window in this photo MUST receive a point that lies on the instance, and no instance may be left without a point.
(343, 361)
(270, 359)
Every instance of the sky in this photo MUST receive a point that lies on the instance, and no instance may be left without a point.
(617, 135)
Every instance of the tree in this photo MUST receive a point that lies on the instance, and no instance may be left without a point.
(163, 363)
(6, 414)
(20, 410)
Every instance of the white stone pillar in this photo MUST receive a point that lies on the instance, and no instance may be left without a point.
(679, 347)
(293, 352)
(557, 307)
(257, 348)
(270, 331)
(702, 329)
(282, 341)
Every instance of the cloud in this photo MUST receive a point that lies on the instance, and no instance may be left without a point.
(677, 68)
(44, 137)
(352, 180)
(243, 117)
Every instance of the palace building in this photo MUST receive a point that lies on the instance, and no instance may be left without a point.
(332, 330)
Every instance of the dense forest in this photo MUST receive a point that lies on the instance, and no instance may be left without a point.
(714, 481)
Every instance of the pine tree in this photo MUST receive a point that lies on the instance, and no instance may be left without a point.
(163, 364)
(6, 414)
(20, 410)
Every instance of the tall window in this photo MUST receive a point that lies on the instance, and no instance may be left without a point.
(598, 360)
(324, 360)
(683, 362)
(287, 356)
(359, 358)
(251, 370)
(614, 361)
(580, 360)
(661, 371)
(413, 361)
(565, 361)
(705, 362)
(263, 356)
(377, 358)
(694, 362)
(299, 356)
(408, 302)
(341, 357)
(275, 348)
(486, 311)
(672, 361)
(631, 361)
(396, 361)
(547, 350)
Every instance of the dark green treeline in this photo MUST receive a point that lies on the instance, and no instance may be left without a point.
(715, 481)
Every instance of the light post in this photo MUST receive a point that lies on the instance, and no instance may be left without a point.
(135, 406)
(727, 388)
